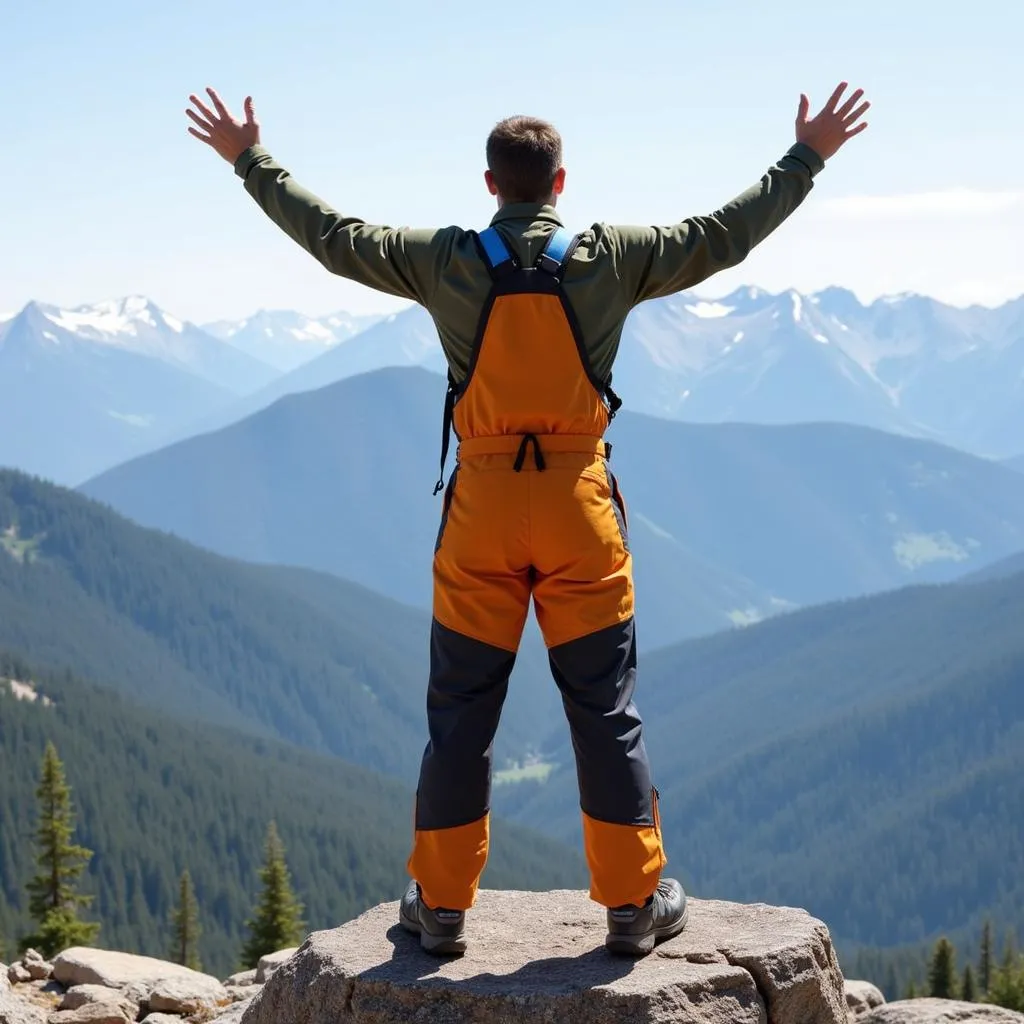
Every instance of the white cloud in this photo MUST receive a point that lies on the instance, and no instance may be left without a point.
(958, 202)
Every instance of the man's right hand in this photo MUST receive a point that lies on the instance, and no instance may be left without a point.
(830, 128)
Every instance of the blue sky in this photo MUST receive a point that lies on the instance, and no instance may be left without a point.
(667, 109)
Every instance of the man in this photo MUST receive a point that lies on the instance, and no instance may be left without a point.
(530, 318)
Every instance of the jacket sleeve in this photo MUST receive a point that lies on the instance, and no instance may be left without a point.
(656, 261)
(398, 261)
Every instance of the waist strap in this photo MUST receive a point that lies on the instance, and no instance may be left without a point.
(511, 444)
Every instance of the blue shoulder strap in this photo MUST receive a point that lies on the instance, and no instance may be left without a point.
(553, 256)
(495, 247)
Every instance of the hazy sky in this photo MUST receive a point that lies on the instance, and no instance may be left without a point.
(667, 109)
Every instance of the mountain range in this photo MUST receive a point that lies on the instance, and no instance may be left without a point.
(730, 522)
(99, 384)
(285, 339)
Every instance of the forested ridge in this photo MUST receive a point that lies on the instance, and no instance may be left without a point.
(306, 657)
(155, 796)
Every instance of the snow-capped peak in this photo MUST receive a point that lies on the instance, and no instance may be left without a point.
(111, 319)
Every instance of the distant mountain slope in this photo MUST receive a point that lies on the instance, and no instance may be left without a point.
(155, 795)
(285, 339)
(729, 519)
(74, 406)
(997, 570)
(280, 652)
(864, 759)
(1016, 462)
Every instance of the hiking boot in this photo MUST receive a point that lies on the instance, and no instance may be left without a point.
(441, 931)
(634, 931)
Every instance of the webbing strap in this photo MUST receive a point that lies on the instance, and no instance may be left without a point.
(557, 248)
(446, 431)
(495, 247)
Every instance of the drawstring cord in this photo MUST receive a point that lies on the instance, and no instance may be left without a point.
(538, 455)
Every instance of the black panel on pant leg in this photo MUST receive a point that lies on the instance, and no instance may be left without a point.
(468, 683)
(596, 675)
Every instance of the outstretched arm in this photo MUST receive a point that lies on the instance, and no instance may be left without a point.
(397, 261)
(659, 261)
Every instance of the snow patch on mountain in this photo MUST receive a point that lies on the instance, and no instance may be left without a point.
(709, 310)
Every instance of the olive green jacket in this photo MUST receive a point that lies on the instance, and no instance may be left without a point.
(611, 270)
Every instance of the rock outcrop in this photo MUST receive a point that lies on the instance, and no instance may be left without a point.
(862, 997)
(539, 957)
(940, 1011)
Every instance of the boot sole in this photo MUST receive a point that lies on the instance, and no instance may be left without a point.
(641, 945)
(438, 945)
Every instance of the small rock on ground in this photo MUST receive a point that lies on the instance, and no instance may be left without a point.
(940, 1011)
(82, 995)
(92, 1013)
(241, 978)
(18, 974)
(187, 995)
(862, 997)
(271, 962)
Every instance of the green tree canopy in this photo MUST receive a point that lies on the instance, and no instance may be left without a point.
(54, 901)
(277, 920)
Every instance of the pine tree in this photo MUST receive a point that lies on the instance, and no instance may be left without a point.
(985, 958)
(967, 990)
(911, 990)
(942, 971)
(186, 926)
(1008, 985)
(53, 899)
(277, 919)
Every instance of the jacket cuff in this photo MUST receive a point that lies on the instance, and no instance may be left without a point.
(247, 158)
(803, 153)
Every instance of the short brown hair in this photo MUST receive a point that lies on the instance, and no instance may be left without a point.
(524, 155)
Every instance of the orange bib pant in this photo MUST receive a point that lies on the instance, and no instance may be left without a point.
(533, 510)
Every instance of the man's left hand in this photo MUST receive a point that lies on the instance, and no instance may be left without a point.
(220, 130)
